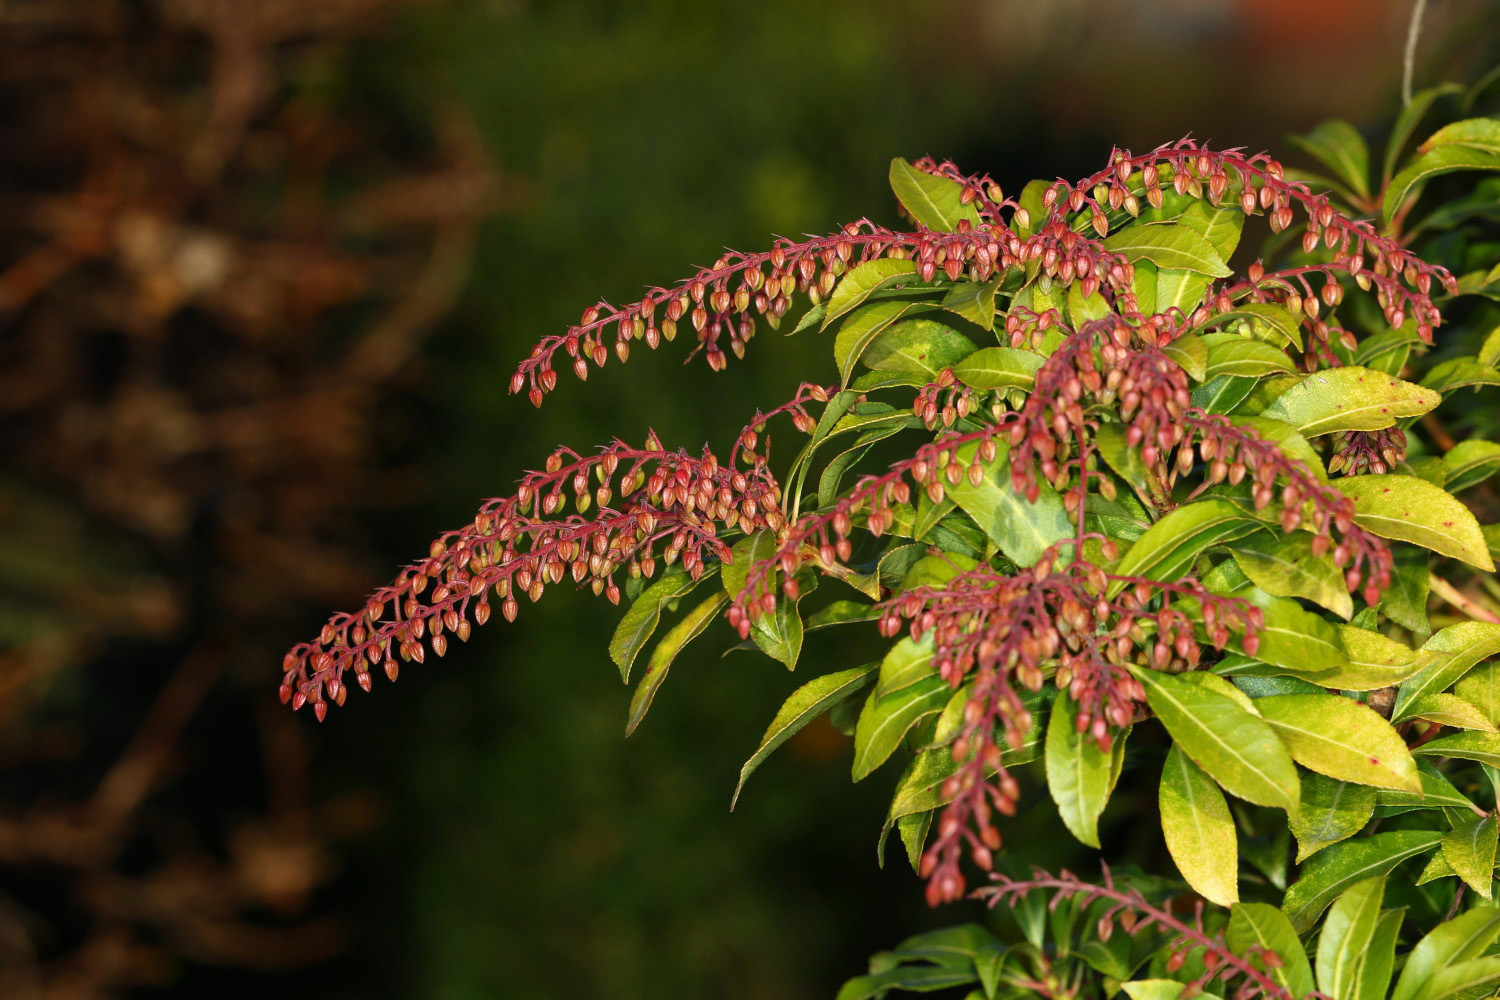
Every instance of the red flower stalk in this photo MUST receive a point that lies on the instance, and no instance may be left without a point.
(1134, 913)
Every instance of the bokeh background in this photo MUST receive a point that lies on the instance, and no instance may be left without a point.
(265, 266)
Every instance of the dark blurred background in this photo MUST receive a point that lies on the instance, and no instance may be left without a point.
(265, 266)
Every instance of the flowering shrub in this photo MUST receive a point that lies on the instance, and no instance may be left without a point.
(1083, 477)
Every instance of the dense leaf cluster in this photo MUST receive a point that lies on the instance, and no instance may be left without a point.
(1085, 478)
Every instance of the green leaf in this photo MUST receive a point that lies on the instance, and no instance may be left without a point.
(1169, 547)
(1237, 748)
(1198, 829)
(640, 621)
(1372, 974)
(974, 301)
(1229, 354)
(1462, 939)
(857, 284)
(1220, 224)
(884, 721)
(1261, 925)
(1437, 793)
(1126, 461)
(1331, 811)
(1470, 462)
(1459, 373)
(666, 651)
(935, 202)
(1450, 710)
(1190, 353)
(1168, 245)
(914, 978)
(1338, 146)
(743, 557)
(1412, 510)
(1453, 651)
(1434, 162)
(861, 329)
(1022, 529)
(907, 662)
(1285, 566)
(1374, 661)
(1293, 638)
(1341, 738)
(1080, 776)
(1481, 688)
(1470, 849)
(1177, 288)
(921, 347)
(1292, 444)
(1160, 989)
(1347, 933)
(1350, 399)
(1406, 123)
(1223, 393)
(805, 704)
(999, 368)
(1483, 747)
(779, 634)
(1469, 980)
(1266, 321)
(1405, 600)
(1334, 869)
(1475, 133)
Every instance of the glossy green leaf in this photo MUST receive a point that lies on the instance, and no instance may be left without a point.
(1190, 354)
(1350, 399)
(1292, 444)
(1481, 688)
(1481, 747)
(1470, 462)
(861, 329)
(1198, 830)
(1169, 245)
(1338, 146)
(907, 662)
(1407, 120)
(1240, 356)
(1347, 933)
(1080, 776)
(974, 301)
(1372, 974)
(1405, 600)
(1469, 848)
(1374, 661)
(1331, 811)
(1334, 869)
(1275, 324)
(921, 347)
(1469, 980)
(999, 368)
(1459, 373)
(1341, 738)
(1236, 747)
(805, 704)
(1437, 792)
(640, 621)
(1462, 939)
(1454, 651)
(1284, 566)
(1475, 133)
(1261, 925)
(1169, 547)
(914, 978)
(935, 202)
(1433, 163)
(684, 632)
(884, 721)
(1411, 510)
(779, 634)
(1178, 288)
(1450, 710)
(1022, 529)
(1293, 638)
(859, 281)
(1220, 224)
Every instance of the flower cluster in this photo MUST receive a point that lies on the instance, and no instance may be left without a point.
(1074, 624)
(1358, 452)
(671, 508)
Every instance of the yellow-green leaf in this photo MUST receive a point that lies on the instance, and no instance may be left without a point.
(1413, 510)
(1198, 830)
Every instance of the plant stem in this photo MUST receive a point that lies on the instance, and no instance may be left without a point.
(1461, 601)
